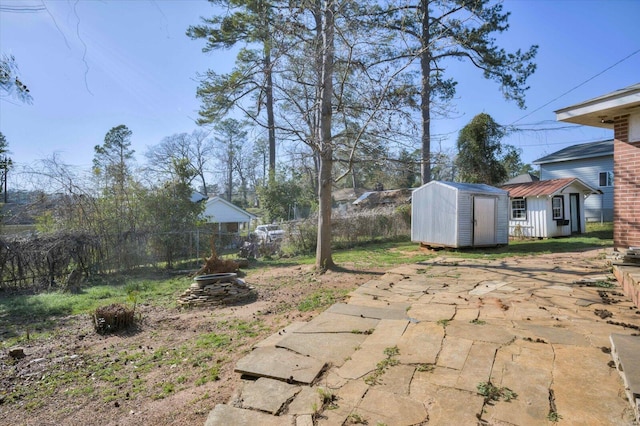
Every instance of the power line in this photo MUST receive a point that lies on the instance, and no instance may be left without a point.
(579, 85)
(21, 9)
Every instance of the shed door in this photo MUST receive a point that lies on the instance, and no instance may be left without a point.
(484, 221)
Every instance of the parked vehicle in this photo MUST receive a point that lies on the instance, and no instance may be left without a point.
(269, 233)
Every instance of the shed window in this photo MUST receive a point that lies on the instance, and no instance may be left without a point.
(518, 209)
(557, 205)
(606, 178)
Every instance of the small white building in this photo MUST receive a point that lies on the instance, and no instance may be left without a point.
(226, 216)
(457, 215)
(548, 208)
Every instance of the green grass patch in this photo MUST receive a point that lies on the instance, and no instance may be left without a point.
(321, 299)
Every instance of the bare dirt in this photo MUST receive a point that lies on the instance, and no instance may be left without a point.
(172, 370)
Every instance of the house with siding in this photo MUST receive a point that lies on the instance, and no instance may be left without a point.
(619, 111)
(548, 208)
(592, 163)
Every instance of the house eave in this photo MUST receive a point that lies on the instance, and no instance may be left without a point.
(600, 111)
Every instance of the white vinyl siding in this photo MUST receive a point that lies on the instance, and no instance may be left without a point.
(596, 207)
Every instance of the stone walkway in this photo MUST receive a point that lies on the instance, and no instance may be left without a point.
(419, 345)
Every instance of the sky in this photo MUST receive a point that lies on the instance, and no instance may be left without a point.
(92, 65)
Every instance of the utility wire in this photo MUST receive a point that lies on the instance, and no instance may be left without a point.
(579, 85)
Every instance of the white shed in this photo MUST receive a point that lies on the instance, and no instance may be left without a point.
(452, 214)
(548, 208)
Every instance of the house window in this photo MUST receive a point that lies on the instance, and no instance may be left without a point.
(606, 178)
(518, 209)
(557, 205)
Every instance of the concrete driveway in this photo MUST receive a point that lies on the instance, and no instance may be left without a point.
(518, 341)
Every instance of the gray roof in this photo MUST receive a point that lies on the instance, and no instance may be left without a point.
(472, 187)
(578, 152)
(523, 178)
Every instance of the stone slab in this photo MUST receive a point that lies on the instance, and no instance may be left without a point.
(420, 343)
(379, 406)
(328, 322)
(480, 332)
(599, 403)
(454, 352)
(279, 335)
(281, 364)
(625, 351)
(485, 287)
(555, 335)
(304, 420)
(267, 395)
(225, 415)
(431, 312)
(332, 348)
(478, 366)
(391, 312)
(305, 402)
(396, 379)
(448, 406)
(386, 334)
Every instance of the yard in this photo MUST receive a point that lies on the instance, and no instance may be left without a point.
(178, 363)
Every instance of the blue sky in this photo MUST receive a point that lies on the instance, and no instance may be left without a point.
(132, 64)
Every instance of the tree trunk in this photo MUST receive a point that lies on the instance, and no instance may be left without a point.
(425, 66)
(324, 260)
(270, 119)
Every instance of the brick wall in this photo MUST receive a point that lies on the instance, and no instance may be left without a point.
(626, 184)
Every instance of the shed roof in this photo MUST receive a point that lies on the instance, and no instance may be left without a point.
(578, 152)
(599, 112)
(471, 187)
(547, 188)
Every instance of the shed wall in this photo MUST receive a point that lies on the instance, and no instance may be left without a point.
(433, 215)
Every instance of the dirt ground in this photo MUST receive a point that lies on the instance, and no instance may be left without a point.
(172, 370)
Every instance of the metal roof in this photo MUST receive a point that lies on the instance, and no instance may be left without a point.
(578, 152)
(546, 187)
(471, 187)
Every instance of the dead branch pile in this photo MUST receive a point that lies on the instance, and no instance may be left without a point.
(37, 261)
(215, 265)
(112, 318)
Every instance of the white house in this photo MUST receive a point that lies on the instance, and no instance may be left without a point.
(228, 217)
(548, 208)
(592, 163)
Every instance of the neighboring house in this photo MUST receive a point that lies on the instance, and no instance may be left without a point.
(592, 163)
(227, 217)
(392, 197)
(523, 178)
(619, 111)
(548, 208)
(453, 214)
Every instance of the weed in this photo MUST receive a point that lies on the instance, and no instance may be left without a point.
(425, 367)
(478, 322)
(382, 366)
(554, 417)
(494, 393)
(327, 399)
(356, 419)
(443, 322)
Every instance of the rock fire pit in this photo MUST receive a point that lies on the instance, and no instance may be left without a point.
(216, 289)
